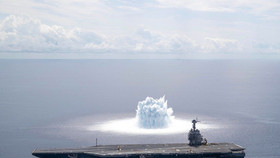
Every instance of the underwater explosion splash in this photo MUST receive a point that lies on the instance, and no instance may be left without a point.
(154, 113)
(152, 117)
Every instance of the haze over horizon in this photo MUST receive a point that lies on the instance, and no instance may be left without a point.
(122, 29)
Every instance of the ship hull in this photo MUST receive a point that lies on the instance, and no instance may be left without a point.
(212, 150)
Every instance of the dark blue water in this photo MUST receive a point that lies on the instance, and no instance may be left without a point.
(46, 103)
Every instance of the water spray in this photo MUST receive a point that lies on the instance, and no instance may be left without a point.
(153, 113)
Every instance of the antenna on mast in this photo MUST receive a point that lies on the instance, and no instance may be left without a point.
(96, 142)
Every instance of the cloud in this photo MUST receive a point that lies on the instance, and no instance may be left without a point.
(18, 33)
(265, 48)
(219, 45)
(25, 34)
(145, 41)
(261, 8)
(198, 5)
(52, 8)
(85, 13)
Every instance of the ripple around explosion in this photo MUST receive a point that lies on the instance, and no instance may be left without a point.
(152, 117)
(153, 113)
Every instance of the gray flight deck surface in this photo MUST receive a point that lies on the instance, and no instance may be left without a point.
(212, 150)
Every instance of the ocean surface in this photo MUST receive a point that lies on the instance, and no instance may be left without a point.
(52, 103)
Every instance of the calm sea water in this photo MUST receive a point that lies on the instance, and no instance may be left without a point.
(47, 103)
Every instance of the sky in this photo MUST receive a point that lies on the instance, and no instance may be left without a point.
(124, 29)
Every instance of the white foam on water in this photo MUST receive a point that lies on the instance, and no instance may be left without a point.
(152, 117)
(130, 126)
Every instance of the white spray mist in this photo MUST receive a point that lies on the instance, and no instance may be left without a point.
(154, 113)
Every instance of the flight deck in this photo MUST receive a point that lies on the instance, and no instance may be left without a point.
(147, 150)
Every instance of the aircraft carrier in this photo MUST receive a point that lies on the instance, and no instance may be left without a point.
(196, 148)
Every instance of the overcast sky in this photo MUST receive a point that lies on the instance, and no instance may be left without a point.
(139, 28)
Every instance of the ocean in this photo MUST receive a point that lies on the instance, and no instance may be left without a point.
(53, 103)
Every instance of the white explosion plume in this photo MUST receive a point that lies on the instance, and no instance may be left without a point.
(152, 117)
(154, 113)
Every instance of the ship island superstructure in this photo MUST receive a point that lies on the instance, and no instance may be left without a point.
(196, 148)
